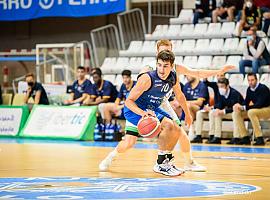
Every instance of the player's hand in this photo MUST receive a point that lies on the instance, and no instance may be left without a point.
(218, 112)
(226, 68)
(207, 108)
(188, 120)
(237, 107)
(149, 113)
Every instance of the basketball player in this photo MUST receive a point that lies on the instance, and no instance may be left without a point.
(144, 100)
(190, 163)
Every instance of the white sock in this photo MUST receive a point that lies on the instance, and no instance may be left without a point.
(114, 153)
(188, 157)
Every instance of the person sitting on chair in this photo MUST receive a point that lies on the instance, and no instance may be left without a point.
(79, 88)
(35, 90)
(255, 107)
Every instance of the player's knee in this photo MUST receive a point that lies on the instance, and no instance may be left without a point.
(130, 142)
(251, 113)
(167, 124)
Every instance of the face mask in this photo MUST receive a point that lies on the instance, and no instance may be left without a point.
(249, 37)
(30, 84)
(249, 4)
(222, 91)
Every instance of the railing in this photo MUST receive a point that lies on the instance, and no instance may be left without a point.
(131, 26)
(168, 8)
(106, 42)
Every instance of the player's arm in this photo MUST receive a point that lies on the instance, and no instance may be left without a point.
(180, 97)
(81, 99)
(37, 97)
(180, 69)
(143, 84)
(198, 101)
(117, 101)
(26, 97)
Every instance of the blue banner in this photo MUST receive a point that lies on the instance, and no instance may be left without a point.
(14, 10)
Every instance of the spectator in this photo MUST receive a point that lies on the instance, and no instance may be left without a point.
(79, 88)
(197, 96)
(228, 9)
(223, 109)
(264, 6)
(203, 8)
(207, 108)
(102, 91)
(255, 107)
(255, 53)
(116, 109)
(250, 17)
(35, 90)
(1, 98)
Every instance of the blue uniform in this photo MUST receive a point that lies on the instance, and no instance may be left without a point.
(151, 99)
(106, 90)
(200, 91)
(80, 89)
(122, 95)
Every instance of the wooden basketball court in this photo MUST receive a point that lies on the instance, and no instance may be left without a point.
(24, 158)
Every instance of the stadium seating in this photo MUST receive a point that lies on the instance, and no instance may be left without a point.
(18, 100)
(185, 16)
(7, 99)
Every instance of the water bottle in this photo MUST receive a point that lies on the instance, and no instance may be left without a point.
(109, 132)
(102, 131)
(97, 135)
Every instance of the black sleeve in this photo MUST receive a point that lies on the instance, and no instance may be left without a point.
(260, 103)
(238, 99)
(210, 84)
(1, 100)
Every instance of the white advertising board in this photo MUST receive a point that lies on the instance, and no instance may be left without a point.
(58, 121)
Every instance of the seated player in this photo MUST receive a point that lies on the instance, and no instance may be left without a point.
(102, 91)
(197, 96)
(116, 109)
(79, 88)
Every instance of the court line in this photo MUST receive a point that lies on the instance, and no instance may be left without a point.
(209, 148)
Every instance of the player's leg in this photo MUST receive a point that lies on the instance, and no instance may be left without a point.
(129, 141)
(184, 141)
(166, 142)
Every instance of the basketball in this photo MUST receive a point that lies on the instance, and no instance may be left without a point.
(149, 127)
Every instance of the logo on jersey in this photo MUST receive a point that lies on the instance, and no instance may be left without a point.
(116, 188)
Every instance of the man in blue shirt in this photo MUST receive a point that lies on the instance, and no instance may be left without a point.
(197, 96)
(144, 101)
(256, 106)
(102, 91)
(79, 88)
(116, 109)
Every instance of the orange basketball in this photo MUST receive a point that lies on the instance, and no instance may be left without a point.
(149, 127)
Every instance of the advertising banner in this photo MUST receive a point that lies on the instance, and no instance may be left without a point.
(65, 122)
(12, 119)
(14, 10)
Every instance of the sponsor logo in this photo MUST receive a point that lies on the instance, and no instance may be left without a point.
(115, 188)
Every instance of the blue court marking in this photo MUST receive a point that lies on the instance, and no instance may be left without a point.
(210, 148)
(117, 188)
